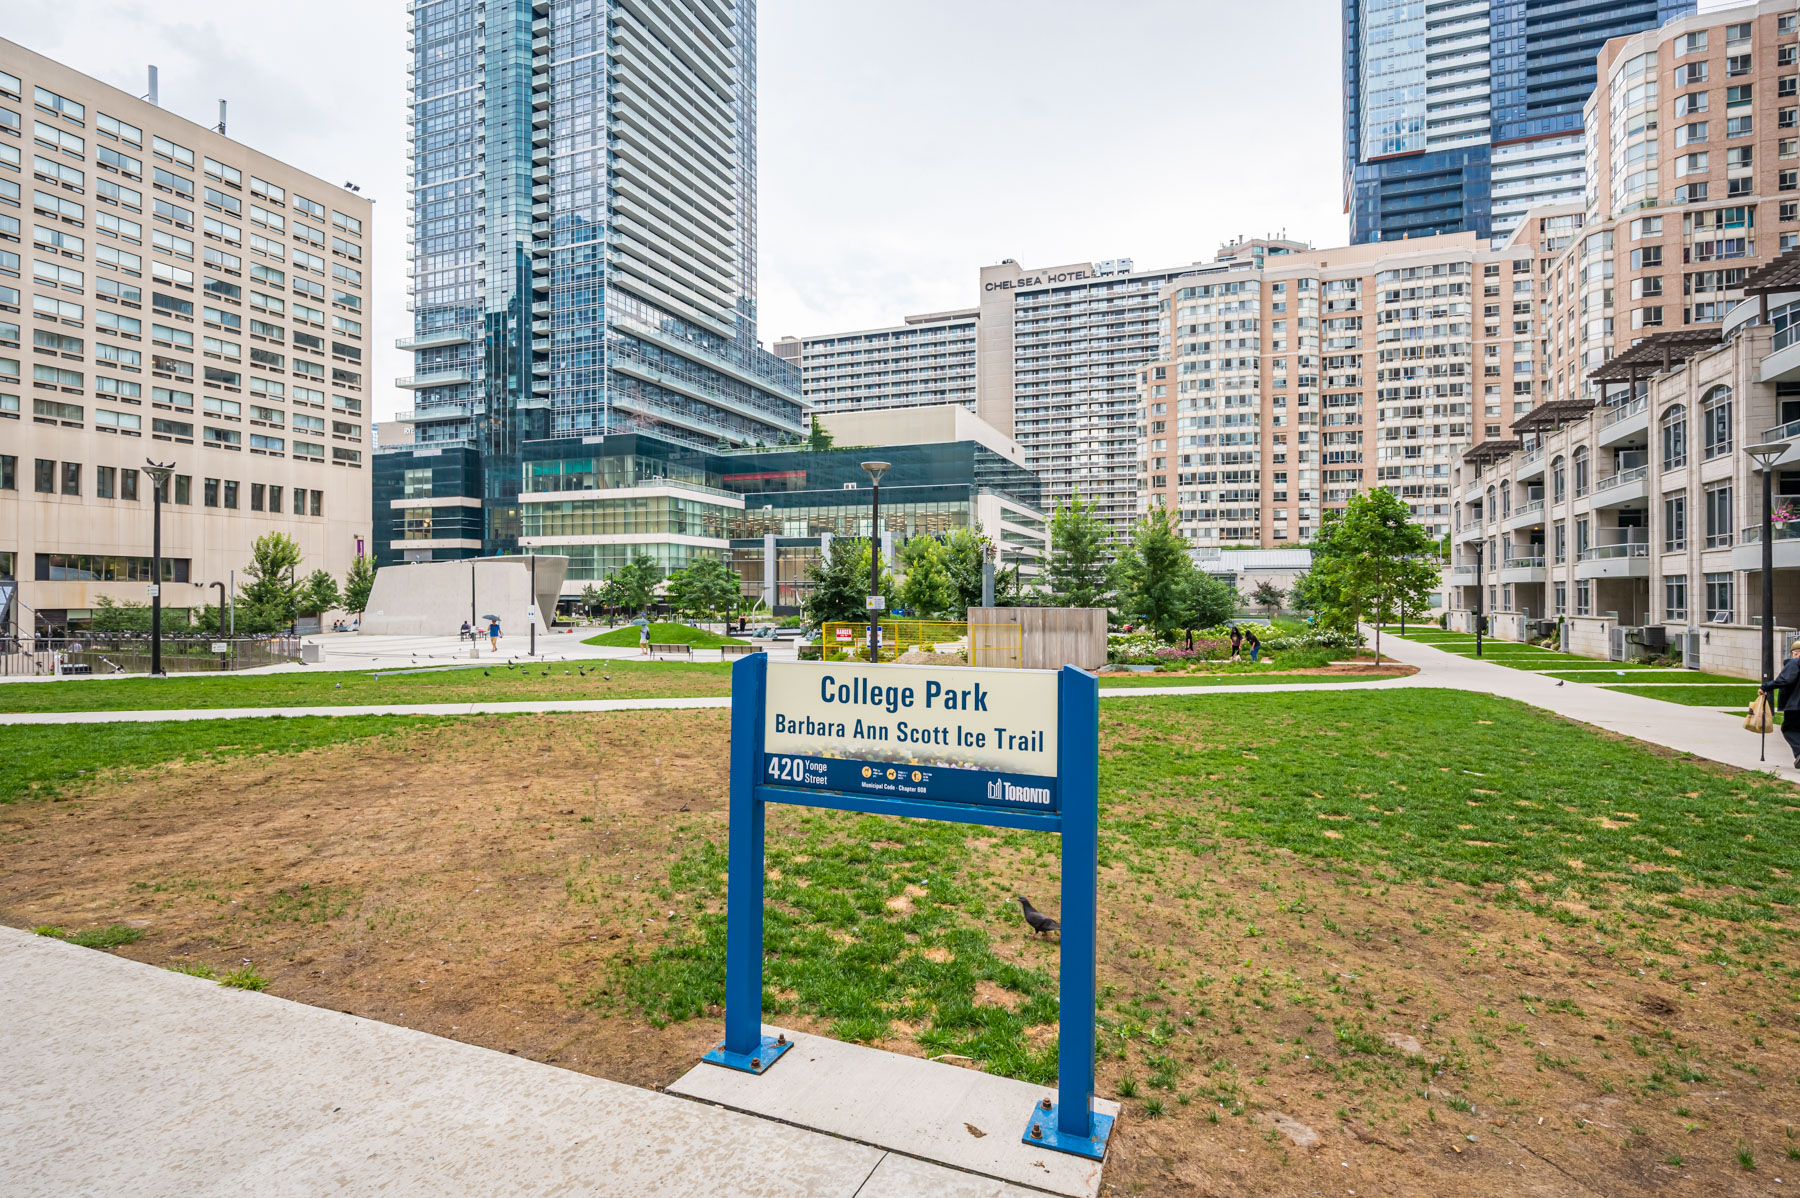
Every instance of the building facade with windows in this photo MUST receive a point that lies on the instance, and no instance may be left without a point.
(1463, 116)
(1694, 147)
(1634, 524)
(583, 203)
(924, 361)
(167, 293)
(1287, 388)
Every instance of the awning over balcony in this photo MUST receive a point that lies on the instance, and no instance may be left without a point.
(1661, 352)
(1548, 416)
(1491, 451)
(1783, 274)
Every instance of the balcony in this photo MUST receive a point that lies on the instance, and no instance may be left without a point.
(1627, 423)
(1625, 559)
(1622, 489)
(435, 339)
(1526, 515)
(1460, 576)
(1522, 570)
(440, 378)
(1531, 464)
(1786, 544)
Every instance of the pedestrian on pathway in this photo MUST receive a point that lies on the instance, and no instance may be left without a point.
(644, 638)
(1786, 684)
(1254, 645)
(1237, 643)
(494, 635)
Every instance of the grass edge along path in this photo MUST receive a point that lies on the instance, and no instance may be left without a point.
(663, 633)
(55, 761)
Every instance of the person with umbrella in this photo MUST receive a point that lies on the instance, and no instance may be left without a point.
(493, 632)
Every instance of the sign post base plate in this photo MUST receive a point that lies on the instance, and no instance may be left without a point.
(1043, 1121)
(757, 1062)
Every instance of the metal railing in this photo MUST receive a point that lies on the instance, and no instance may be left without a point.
(1635, 474)
(1528, 509)
(1626, 411)
(1606, 552)
(1532, 455)
(1783, 432)
(112, 653)
(1523, 563)
(1782, 532)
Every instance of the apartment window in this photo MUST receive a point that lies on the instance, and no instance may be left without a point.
(184, 488)
(1738, 96)
(1737, 64)
(1690, 73)
(1718, 516)
(318, 503)
(1584, 598)
(299, 501)
(1560, 541)
(1562, 598)
(128, 484)
(44, 476)
(231, 494)
(211, 492)
(1583, 472)
(1674, 523)
(1582, 538)
(1715, 422)
(274, 499)
(71, 478)
(1675, 598)
(1674, 437)
(1558, 481)
(1650, 255)
(105, 479)
(1718, 598)
(9, 472)
(256, 497)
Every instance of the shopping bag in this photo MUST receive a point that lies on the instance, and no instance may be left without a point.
(1761, 718)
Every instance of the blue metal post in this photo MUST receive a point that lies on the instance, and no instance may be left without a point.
(745, 1046)
(1078, 752)
(744, 926)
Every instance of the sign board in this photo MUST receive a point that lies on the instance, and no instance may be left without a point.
(876, 603)
(531, 612)
(220, 647)
(153, 590)
(1005, 748)
(842, 634)
(985, 737)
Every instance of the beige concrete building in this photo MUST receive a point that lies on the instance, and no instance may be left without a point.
(1693, 178)
(167, 293)
(1288, 387)
(924, 361)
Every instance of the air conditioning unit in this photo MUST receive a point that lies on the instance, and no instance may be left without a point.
(1543, 628)
(1653, 637)
(1615, 644)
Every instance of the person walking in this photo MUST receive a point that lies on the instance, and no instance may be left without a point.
(1254, 645)
(1237, 643)
(1787, 701)
(644, 638)
(494, 635)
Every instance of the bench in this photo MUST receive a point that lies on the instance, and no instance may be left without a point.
(740, 650)
(657, 650)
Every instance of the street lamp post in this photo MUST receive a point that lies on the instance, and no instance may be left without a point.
(1480, 588)
(875, 470)
(1764, 456)
(159, 479)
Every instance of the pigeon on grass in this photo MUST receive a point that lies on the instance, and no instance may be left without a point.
(1037, 919)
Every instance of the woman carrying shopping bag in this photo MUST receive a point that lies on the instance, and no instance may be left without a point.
(1786, 686)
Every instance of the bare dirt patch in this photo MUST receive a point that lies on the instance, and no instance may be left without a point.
(481, 880)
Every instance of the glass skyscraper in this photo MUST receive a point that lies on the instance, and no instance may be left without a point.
(1462, 116)
(583, 215)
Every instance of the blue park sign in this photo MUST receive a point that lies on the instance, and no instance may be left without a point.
(1005, 748)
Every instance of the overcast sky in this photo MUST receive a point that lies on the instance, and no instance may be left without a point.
(903, 145)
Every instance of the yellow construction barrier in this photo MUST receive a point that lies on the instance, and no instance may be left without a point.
(851, 640)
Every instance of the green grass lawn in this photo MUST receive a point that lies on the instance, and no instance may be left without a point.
(1738, 697)
(1129, 681)
(663, 634)
(491, 683)
(50, 760)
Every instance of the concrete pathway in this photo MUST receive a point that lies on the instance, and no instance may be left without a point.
(1702, 731)
(122, 1078)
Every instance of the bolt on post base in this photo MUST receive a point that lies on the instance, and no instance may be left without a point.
(1041, 1132)
(773, 1047)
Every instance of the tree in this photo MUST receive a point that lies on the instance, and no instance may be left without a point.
(637, 581)
(269, 601)
(1268, 595)
(840, 584)
(111, 617)
(319, 594)
(706, 587)
(927, 589)
(1079, 545)
(820, 439)
(1376, 563)
(1154, 576)
(590, 598)
(359, 580)
(1210, 601)
(964, 552)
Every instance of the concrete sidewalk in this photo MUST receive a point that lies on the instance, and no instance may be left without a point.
(1701, 731)
(122, 1078)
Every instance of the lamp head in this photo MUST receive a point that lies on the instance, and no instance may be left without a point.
(1764, 455)
(158, 472)
(875, 470)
